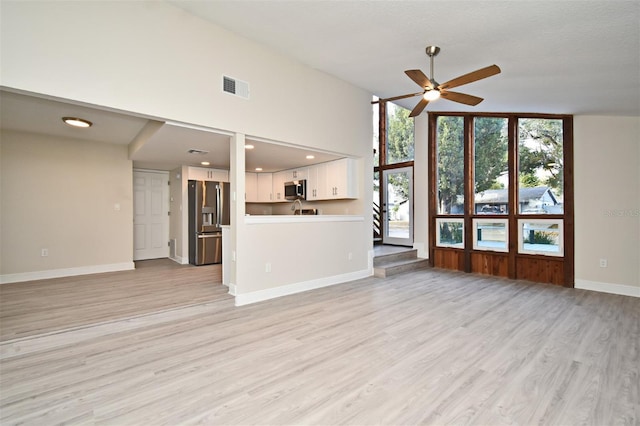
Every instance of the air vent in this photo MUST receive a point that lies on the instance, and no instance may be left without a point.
(235, 87)
(197, 151)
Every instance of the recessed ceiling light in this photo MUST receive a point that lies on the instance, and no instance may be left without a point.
(258, 169)
(249, 146)
(310, 157)
(205, 163)
(77, 122)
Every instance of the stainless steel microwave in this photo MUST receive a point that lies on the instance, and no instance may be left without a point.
(295, 190)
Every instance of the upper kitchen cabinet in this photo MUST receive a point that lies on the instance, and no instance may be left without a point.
(250, 187)
(203, 173)
(258, 187)
(333, 180)
(265, 187)
(279, 178)
(294, 174)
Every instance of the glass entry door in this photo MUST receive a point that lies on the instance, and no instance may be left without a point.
(397, 207)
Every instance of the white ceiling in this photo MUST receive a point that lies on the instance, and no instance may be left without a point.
(559, 56)
(164, 149)
(568, 57)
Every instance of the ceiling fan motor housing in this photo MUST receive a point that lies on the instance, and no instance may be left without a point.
(432, 51)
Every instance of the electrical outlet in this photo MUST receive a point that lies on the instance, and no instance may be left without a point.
(350, 256)
(267, 267)
(44, 252)
(603, 263)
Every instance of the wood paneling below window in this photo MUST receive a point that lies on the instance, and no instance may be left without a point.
(489, 263)
(539, 269)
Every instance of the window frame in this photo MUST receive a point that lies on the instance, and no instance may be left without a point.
(462, 258)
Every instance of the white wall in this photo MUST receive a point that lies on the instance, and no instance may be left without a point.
(153, 59)
(300, 256)
(61, 195)
(421, 186)
(176, 208)
(607, 203)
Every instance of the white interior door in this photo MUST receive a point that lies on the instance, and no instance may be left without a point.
(150, 215)
(397, 208)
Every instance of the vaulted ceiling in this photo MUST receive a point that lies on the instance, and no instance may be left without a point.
(567, 57)
(560, 56)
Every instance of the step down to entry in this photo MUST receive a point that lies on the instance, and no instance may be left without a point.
(397, 263)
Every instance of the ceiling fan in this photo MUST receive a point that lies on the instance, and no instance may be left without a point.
(432, 90)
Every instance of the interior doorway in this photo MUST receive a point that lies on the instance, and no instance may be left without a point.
(150, 215)
(397, 206)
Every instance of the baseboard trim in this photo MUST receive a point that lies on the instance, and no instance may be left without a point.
(67, 272)
(180, 260)
(621, 289)
(285, 290)
(422, 252)
(232, 289)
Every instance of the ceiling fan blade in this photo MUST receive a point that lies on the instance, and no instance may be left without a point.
(395, 98)
(419, 77)
(471, 77)
(419, 108)
(461, 97)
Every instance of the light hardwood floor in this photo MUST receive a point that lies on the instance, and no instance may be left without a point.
(428, 347)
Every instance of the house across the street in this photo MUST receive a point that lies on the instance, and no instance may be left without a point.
(539, 199)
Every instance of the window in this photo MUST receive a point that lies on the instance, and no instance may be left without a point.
(450, 232)
(540, 237)
(393, 174)
(499, 199)
(400, 142)
(491, 167)
(450, 159)
(491, 234)
(540, 166)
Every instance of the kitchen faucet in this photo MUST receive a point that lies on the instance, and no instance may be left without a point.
(293, 207)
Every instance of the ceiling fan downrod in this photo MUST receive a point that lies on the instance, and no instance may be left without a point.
(431, 52)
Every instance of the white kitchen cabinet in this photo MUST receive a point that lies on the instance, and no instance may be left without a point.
(264, 182)
(341, 179)
(206, 174)
(332, 180)
(313, 183)
(279, 178)
(251, 187)
(294, 174)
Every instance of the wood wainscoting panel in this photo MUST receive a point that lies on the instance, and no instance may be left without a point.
(539, 269)
(449, 259)
(490, 263)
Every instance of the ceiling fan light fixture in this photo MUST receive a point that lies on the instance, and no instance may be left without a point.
(77, 122)
(431, 95)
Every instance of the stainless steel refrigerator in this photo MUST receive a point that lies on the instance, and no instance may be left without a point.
(208, 211)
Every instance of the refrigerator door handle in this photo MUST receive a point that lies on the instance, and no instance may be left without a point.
(216, 235)
(218, 206)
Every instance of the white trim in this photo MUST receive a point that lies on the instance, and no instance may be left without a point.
(440, 220)
(180, 260)
(423, 253)
(285, 290)
(477, 221)
(232, 290)
(260, 219)
(386, 238)
(559, 231)
(68, 272)
(621, 289)
(370, 256)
